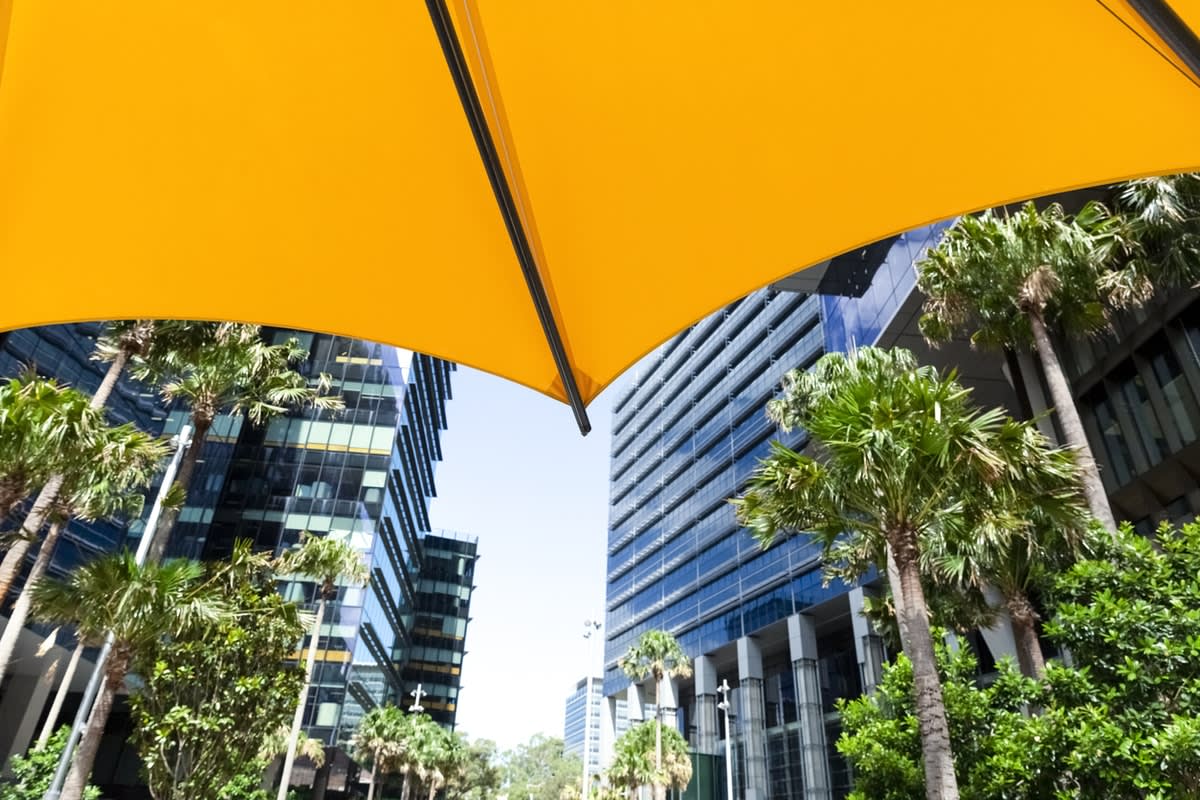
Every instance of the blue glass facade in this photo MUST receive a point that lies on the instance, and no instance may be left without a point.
(687, 434)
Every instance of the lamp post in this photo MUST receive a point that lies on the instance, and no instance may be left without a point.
(724, 689)
(590, 627)
(182, 441)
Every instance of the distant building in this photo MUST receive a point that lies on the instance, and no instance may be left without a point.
(583, 713)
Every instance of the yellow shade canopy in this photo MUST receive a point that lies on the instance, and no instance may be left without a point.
(410, 172)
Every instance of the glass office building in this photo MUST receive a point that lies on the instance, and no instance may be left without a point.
(581, 713)
(687, 434)
(442, 610)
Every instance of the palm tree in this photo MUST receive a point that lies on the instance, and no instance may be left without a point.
(1164, 217)
(230, 370)
(34, 420)
(120, 342)
(137, 605)
(656, 654)
(380, 741)
(331, 561)
(1057, 534)
(633, 768)
(108, 473)
(276, 744)
(74, 426)
(904, 459)
(1014, 279)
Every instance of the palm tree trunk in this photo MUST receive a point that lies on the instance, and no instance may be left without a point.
(298, 720)
(60, 696)
(406, 789)
(85, 755)
(660, 792)
(1072, 425)
(46, 498)
(187, 467)
(912, 614)
(20, 609)
(30, 529)
(1024, 624)
(12, 492)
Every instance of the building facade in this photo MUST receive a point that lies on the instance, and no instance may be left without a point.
(582, 714)
(689, 430)
(364, 475)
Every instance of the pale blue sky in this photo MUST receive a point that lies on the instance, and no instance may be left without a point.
(517, 474)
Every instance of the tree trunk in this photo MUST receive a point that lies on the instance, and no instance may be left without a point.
(187, 467)
(12, 491)
(1072, 425)
(660, 792)
(406, 789)
(60, 696)
(49, 495)
(298, 720)
(20, 609)
(912, 614)
(85, 755)
(1024, 624)
(30, 529)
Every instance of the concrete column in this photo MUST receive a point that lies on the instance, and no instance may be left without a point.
(608, 730)
(1038, 402)
(751, 717)
(634, 703)
(21, 710)
(668, 694)
(867, 644)
(707, 725)
(814, 761)
(999, 637)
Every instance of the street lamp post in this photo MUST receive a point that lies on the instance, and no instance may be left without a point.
(182, 441)
(590, 627)
(724, 706)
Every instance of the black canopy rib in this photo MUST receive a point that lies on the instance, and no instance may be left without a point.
(1182, 40)
(467, 94)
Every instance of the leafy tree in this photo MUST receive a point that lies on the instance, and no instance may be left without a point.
(1124, 724)
(540, 769)
(880, 738)
(228, 370)
(379, 742)
(32, 773)
(481, 776)
(212, 696)
(331, 561)
(657, 655)
(137, 605)
(1014, 280)
(1131, 713)
(646, 756)
(906, 466)
(115, 464)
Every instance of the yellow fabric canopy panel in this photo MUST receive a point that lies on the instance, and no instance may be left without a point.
(317, 165)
